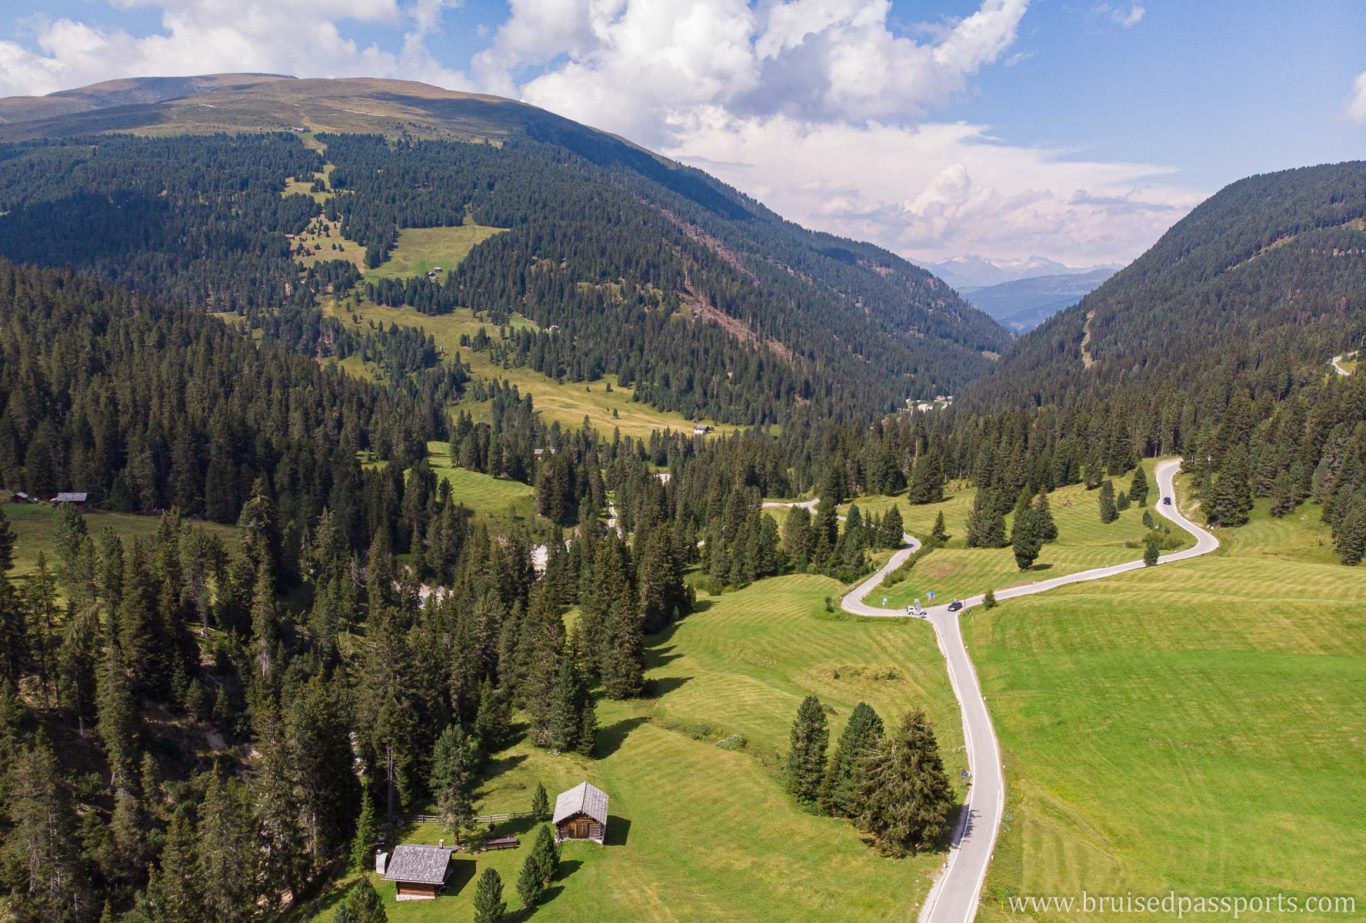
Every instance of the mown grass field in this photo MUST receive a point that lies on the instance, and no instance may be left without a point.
(421, 250)
(32, 524)
(699, 832)
(1197, 727)
(956, 570)
(567, 403)
(482, 493)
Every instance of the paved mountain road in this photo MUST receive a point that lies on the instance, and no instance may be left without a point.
(955, 895)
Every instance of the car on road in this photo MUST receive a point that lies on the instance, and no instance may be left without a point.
(955, 605)
(1166, 501)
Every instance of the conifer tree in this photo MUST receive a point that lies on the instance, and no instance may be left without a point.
(119, 721)
(1284, 493)
(989, 599)
(1025, 538)
(175, 889)
(453, 780)
(366, 836)
(1231, 499)
(1150, 551)
(1138, 487)
(489, 906)
(539, 869)
(40, 844)
(229, 854)
(1043, 518)
(623, 660)
(540, 803)
(986, 524)
(863, 731)
(567, 706)
(892, 528)
(798, 539)
(806, 754)
(364, 904)
(493, 720)
(1106, 498)
(904, 793)
(1350, 533)
(1122, 501)
(939, 534)
(7, 539)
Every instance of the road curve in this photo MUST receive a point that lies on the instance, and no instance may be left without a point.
(956, 893)
(1338, 367)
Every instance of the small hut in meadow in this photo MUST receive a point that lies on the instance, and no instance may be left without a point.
(581, 814)
(419, 872)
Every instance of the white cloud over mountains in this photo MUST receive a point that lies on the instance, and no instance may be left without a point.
(830, 111)
(1356, 103)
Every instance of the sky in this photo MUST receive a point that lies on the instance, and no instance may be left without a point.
(1075, 130)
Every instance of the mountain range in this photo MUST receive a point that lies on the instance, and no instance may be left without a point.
(697, 295)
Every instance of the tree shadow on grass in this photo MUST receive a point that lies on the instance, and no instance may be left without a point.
(1044, 566)
(610, 738)
(618, 830)
(663, 685)
(498, 765)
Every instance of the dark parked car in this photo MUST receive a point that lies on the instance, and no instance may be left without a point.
(1166, 501)
(955, 605)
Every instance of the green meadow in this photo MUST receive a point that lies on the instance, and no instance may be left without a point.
(700, 831)
(956, 570)
(423, 250)
(1196, 727)
(604, 403)
(482, 493)
(32, 524)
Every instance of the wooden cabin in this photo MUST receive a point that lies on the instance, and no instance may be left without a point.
(78, 499)
(581, 814)
(419, 873)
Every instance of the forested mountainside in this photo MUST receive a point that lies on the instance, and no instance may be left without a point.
(698, 297)
(1023, 304)
(1216, 344)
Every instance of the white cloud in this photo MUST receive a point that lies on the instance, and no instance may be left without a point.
(1126, 17)
(208, 36)
(1356, 103)
(817, 106)
(820, 108)
(938, 190)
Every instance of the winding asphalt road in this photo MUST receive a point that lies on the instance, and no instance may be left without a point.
(1338, 367)
(956, 893)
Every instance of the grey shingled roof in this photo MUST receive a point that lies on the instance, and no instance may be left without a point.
(72, 497)
(424, 864)
(582, 799)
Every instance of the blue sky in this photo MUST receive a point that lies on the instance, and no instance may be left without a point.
(1072, 129)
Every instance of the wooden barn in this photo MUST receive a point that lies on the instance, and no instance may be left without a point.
(581, 814)
(419, 872)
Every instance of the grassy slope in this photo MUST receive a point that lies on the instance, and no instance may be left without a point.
(482, 493)
(565, 402)
(956, 570)
(423, 249)
(32, 523)
(708, 832)
(1198, 727)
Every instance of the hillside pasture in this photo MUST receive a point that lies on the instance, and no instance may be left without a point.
(956, 570)
(1195, 727)
(565, 402)
(32, 524)
(421, 250)
(700, 827)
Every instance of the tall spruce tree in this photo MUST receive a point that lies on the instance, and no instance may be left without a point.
(1138, 487)
(806, 753)
(904, 794)
(1026, 538)
(1231, 499)
(1043, 518)
(863, 731)
(1106, 498)
(1150, 551)
(453, 779)
(986, 523)
(489, 906)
